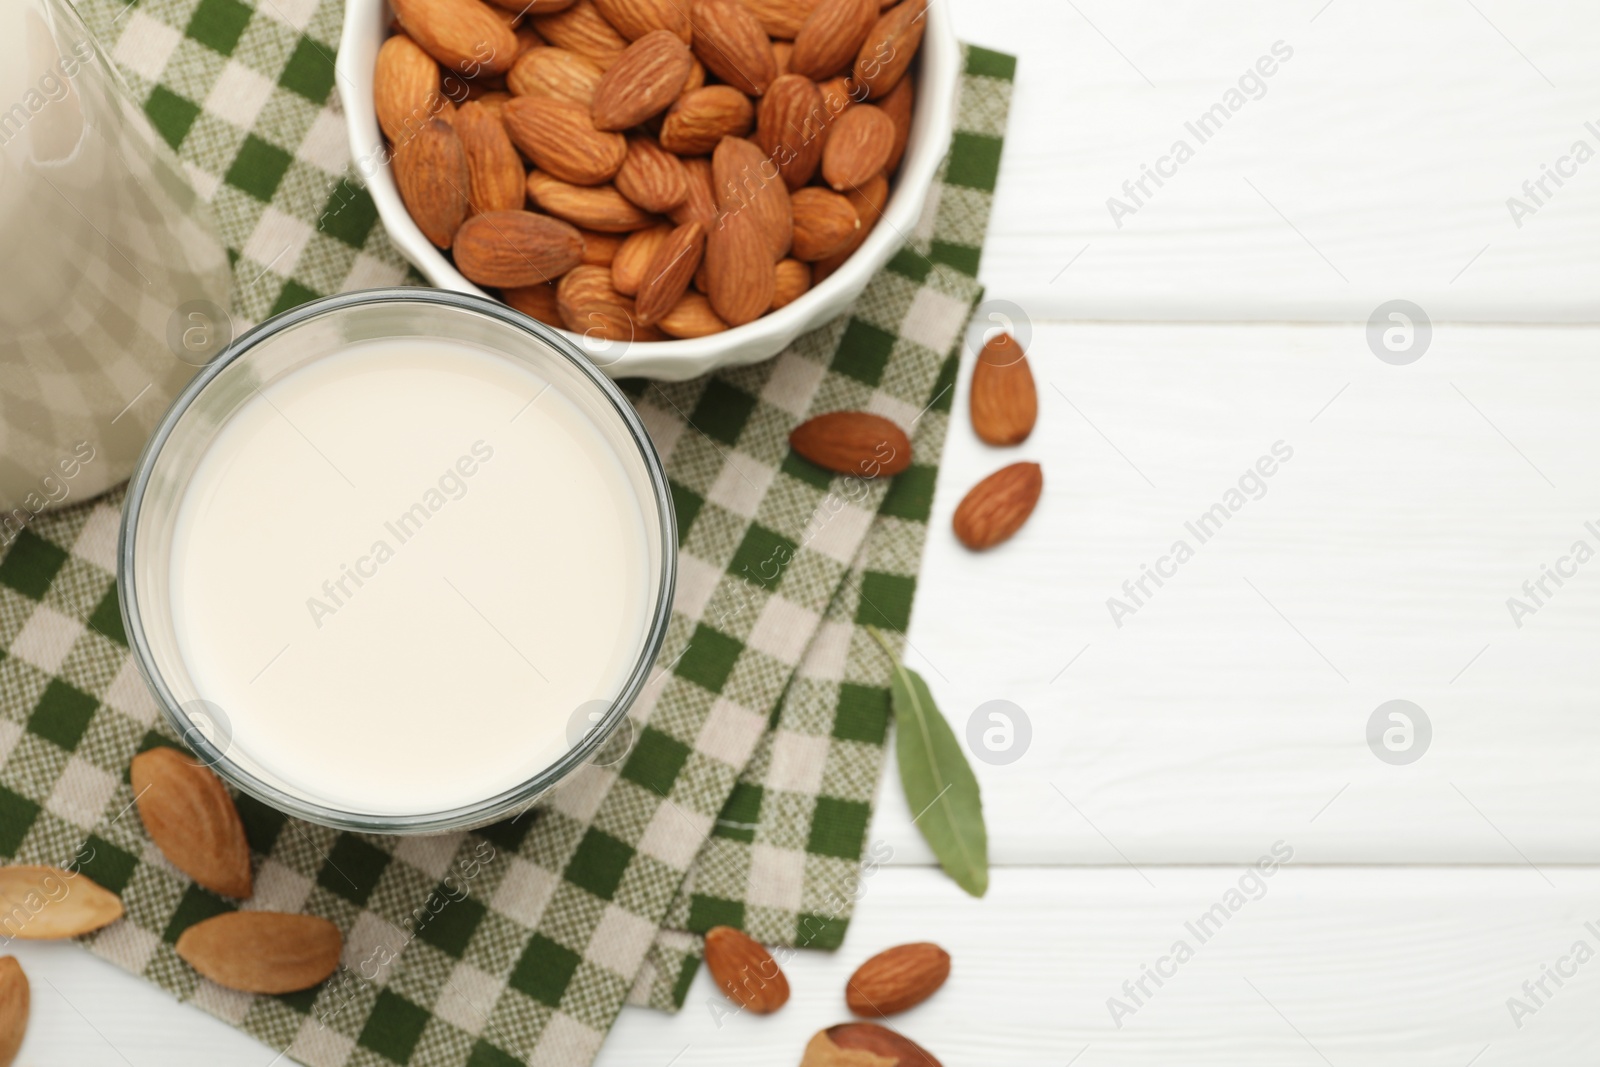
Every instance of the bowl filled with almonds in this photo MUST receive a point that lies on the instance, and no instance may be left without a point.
(680, 184)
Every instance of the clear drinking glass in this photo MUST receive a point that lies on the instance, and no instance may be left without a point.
(270, 352)
(104, 249)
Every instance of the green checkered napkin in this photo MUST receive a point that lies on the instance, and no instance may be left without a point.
(760, 740)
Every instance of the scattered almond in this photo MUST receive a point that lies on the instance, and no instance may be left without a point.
(13, 1009)
(190, 816)
(853, 442)
(47, 904)
(513, 248)
(430, 169)
(1004, 401)
(897, 978)
(644, 81)
(996, 507)
(262, 951)
(746, 972)
(890, 1049)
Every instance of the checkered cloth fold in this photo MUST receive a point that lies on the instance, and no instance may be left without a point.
(746, 796)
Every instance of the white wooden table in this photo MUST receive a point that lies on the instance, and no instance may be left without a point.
(1228, 714)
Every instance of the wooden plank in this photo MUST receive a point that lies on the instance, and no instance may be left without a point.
(1231, 708)
(1377, 162)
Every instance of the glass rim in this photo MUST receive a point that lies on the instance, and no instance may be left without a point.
(464, 816)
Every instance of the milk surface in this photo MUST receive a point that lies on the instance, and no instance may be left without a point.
(400, 569)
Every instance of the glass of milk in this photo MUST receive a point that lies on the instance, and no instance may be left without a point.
(398, 561)
(113, 279)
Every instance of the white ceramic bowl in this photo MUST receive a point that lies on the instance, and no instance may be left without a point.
(938, 75)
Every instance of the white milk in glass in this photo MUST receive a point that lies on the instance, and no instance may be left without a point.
(400, 569)
(103, 245)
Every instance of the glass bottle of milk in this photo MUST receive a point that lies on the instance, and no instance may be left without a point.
(112, 279)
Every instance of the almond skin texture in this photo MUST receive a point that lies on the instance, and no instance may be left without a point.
(746, 180)
(651, 177)
(869, 201)
(793, 279)
(853, 442)
(667, 276)
(512, 248)
(897, 978)
(431, 172)
(890, 46)
(732, 45)
(790, 121)
(746, 972)
(13, 1009)
(691, 317)
(781, 18)
(494, 169)
(554, 72)
(582, 29)
(701, 203)
(896, 1050)
(897, 103)
(405, 88)
(594, 207)
(560, 137)
(1004, 400)
(262, 951)
(599, 249)
(996, 507)
(644, 81)
(705, 116)
(190, 816)
(858, 147)
(590, 306)
(47, 904)
(824, 222)
(635, 18)
(740, 275)
(536, 302)
(633, 258)
(463, 35)
(831, 36)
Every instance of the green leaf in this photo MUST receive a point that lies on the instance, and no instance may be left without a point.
(938, 782)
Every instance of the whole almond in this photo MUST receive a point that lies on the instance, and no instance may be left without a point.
(1004, 401)
(46, 904)
(654, 179)
(262, 951)
(511, 248)
(824, 222)
(897, 978)
(560, 137)
(633, 258)
(746, 972)
(739, 268)
(600, 249)
(644, 81)
(890, 46)
(701, 118)
(535, 301)
(744, 179)
(781, 18)
(792, 279)
(592, 308)
(732, 45)
(594, 207)
(582, 29)
(190, 816)
(869, 201)
(996, 507)
(430, 170)
(898, 103)
(635, 18)
(789, 127)
(554, 72)
(893, 1049)
(853, 442)
(831, 36)
(13, 1009)
(858, 147)
(666, 277)
(405, 88)
(464, 35)
(494, 170)
(691, 317)
(701, 203)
